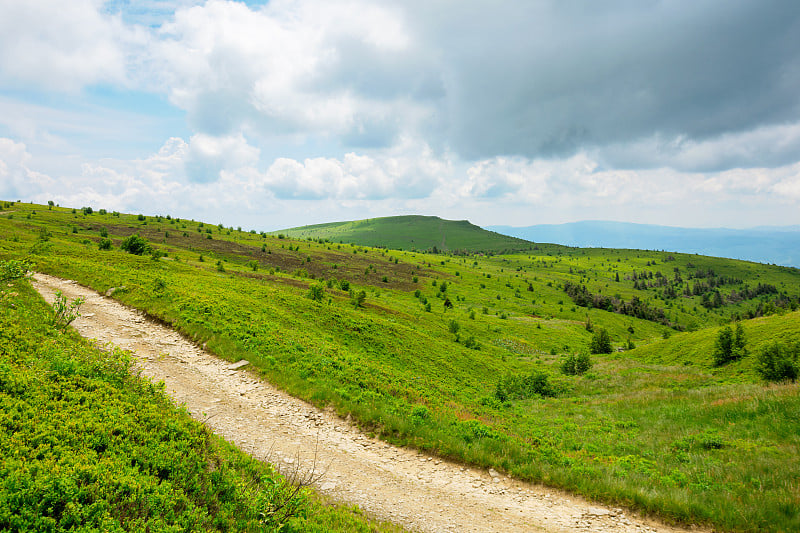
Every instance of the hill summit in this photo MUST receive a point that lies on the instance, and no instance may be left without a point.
(412, 232)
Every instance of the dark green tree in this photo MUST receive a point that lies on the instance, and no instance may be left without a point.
(601, 342)
(729, 345)
(576, 364)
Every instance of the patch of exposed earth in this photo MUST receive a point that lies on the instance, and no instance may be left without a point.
(395, 484)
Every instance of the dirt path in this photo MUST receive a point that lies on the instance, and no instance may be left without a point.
(395, 484)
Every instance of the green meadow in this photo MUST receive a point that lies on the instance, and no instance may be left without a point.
(464, 354)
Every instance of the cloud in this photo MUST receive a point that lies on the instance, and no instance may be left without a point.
(700, 87)
(286, 69)
(60, 46)
(766, 146)
(208, 156)
(532, 79)
(17, 179)
(499, 177)
(409, 171)
(549, 79)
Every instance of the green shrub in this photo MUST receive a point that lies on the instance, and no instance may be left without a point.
(136, 245)
(471, 343)
(729, 346)
(779, 362)
(535, 384)
(64, 313)
(104, 244)
(576, 364)
(13, 269)
(316, 292)
(344, 285)
(357, 299)
(601, 342)
(453, 326)
(419, 414)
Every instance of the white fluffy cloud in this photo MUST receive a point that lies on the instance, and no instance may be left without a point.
(59, 45)
(278, 70)
(409, 180)
(208, 156)
(17, 179)
(357, 177)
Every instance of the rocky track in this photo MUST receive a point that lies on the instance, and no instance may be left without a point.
(403, 486)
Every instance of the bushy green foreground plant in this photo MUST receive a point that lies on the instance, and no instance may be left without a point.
(517, 387)
(64, 313)
(576, 364)
(779, 362)
(85, 445)
(13, 269)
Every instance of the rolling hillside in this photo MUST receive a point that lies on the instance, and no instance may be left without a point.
(413, 232)
(468, 356)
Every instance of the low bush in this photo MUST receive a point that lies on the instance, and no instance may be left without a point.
(136, 245)
(779, 362)
(514, 387)
(576, 364)
(316, 292)
(13, 269)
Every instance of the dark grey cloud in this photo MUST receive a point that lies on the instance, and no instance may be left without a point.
(550, 78)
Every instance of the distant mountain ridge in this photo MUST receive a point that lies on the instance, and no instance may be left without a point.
(778, 245)
(417, 232)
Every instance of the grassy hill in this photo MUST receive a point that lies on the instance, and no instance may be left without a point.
(462, 355)
(413, 232)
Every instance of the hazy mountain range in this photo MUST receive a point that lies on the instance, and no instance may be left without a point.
(778, 245)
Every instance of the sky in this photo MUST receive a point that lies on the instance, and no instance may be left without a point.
(274, 114)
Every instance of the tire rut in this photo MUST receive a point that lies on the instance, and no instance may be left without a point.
(399, 485)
